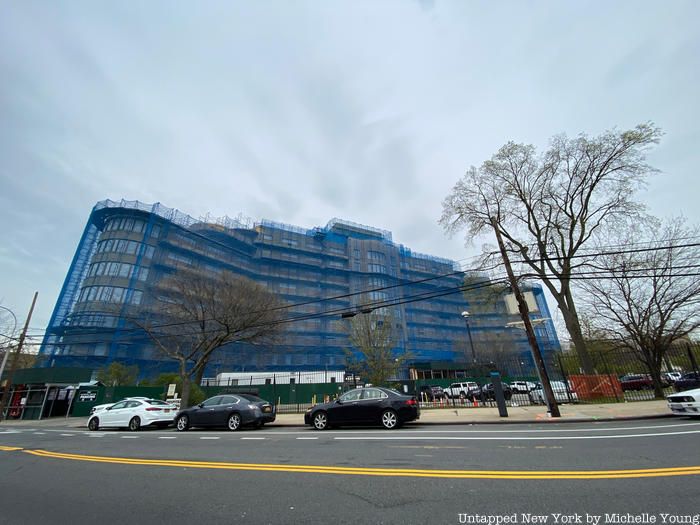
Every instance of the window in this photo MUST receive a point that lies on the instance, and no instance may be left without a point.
(124, 246)
(373, 393)
(212, 401)
(353, 395)
(375, 256)
(180, 258)
(376, 268)
(110, 294)
(117, 406)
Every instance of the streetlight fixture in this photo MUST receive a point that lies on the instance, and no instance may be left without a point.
(465, 315)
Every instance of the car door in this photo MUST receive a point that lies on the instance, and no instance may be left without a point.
(111, 417)
(203, 415)
(370, 407)
(221, 411)
(344, 408)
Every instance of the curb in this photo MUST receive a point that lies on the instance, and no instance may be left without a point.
(505, 421)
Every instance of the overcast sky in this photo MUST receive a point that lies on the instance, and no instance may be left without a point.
(303, 111)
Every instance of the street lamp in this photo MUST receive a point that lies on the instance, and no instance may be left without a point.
(466, 314)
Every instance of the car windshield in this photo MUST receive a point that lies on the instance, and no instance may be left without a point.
(156, 402)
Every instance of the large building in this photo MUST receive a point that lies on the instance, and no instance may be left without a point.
(127, 247)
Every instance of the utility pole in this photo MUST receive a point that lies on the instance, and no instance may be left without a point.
(15, 360)
(525, 315)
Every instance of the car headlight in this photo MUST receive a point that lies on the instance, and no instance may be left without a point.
(308, 410)
(254, 407)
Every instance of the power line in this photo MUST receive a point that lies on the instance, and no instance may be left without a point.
(387, 303)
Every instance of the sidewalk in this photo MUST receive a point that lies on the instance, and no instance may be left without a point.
(456, 416)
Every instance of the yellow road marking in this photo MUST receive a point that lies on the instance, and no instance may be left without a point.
(391, 472)
(9, 449)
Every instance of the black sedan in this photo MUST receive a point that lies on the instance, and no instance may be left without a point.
(488, 392)
(268, 409)
(687, 381)
(369, 406)
(228, 411)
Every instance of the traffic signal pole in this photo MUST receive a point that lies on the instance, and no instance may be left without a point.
(553, 408)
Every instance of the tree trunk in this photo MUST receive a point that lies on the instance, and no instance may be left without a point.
(655, 371)
(573, 326)
(185, 377)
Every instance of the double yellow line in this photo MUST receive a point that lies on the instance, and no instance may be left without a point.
(386, 472)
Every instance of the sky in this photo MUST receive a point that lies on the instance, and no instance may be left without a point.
(300, 112)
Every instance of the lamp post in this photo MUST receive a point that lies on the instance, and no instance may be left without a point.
(466, 314)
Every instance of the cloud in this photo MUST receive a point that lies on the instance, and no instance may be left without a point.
(300, 113)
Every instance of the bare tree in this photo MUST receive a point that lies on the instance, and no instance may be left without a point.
(648, 299)
(548, 207)
(199, 314)
(373, 337)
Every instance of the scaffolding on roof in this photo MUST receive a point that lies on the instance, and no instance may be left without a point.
(359, 228)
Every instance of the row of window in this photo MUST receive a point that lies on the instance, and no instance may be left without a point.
(124, 246)
(110, 294)
(131, 225)
(101, 320)
(375, 256)
(116, 269)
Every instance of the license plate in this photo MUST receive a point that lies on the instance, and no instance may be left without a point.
(166, 410)
(675, 406)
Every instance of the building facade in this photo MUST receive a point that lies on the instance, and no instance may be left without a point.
(127, 247)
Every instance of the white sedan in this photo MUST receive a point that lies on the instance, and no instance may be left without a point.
(134, 414)
(562, 394)
(685, 403)
(99, 408)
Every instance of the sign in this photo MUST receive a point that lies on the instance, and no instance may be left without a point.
(89, 395)
(171, 389)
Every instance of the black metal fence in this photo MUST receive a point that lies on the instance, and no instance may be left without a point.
(620, 375)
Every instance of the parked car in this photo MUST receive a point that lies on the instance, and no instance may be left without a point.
(522, 387)
(464, 390)
(369, 406)
(227, 411)
(134, 414)
(671, 377)
(685, 403)
(488, 392)
(687, 382)
(269, 411)
(431, 393)
(99, 408)
(636, 382)
(562, 394)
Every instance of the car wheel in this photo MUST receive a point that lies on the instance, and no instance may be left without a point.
(234, 422)
(390, 419)
(94, 424)
(134, 424)
(182, 423)
(320, 420)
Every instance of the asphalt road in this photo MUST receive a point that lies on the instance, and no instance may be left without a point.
(450, 474)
